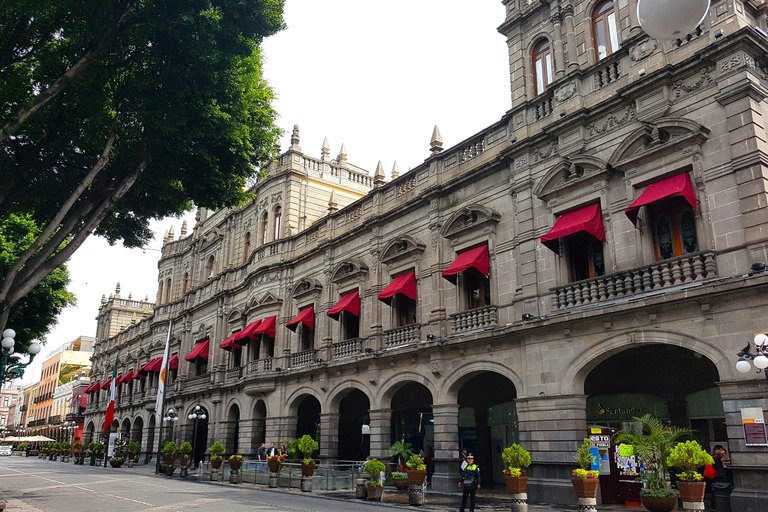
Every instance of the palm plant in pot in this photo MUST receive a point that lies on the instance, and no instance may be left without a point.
(374, 487)
(417, 470)
(66, 449)
(516, 458)
(690, 456)
(184, 450)
(652, 443)
(585, 481)
(134, 449)
(169, 457)
(402, 451)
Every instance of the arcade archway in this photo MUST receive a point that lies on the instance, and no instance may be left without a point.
(353, 414)
(412, 419)
(308, 418)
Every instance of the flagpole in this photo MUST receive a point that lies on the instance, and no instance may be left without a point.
(161, 397)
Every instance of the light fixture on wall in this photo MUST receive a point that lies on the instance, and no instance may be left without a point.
(759, 358)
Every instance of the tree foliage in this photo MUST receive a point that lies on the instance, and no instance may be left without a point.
(34, 315)
(114, 113)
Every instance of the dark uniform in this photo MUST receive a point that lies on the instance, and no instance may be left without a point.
(470, 481)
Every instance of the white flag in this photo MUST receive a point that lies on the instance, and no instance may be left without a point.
(159, 404)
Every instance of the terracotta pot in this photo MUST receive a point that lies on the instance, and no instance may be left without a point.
(235, 464)
(307, 469)
(274, 465)
(516, 484)
(654, 504)
(416, 477)
(184, 460)
(691, 492)
(169, 460)
(216, 464)
(400, 484)
(373, 493)
(585, 487)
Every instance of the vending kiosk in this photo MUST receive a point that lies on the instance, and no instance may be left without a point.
(618, 466)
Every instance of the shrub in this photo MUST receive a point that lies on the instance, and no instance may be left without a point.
(23, 446)
(307, 446)
(585, 473)
(169, 448)
(216, 451)
(134, 448)
(689, 456)
(416, 462)
(397, 475)
(65, 448)
(78, 448)
(235, 458)
(584, 456)
(373, 467)
(516, 457)
(185, 448)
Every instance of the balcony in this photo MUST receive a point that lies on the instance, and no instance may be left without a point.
(347, 348)
(234, 374)
(303, 358)
(475, 319)
(125, 399)
(200, 381)
(262, 365)
(402, 335)
(662, 275)
(54, 420)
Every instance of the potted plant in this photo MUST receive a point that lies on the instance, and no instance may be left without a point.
(119, 453)
(169, 457)
(235, 463)
(307, 446)
(417, 470)
(216, 459)
(98, 452)
(399, 480)
(274, 462)
(516, 458)
(652, 444)
(690, 456)
(91, 453)
(184, 450)
(402, 451)
(54, 451)
(66, 449)
(585, 481)
(374, 487)
(134, 449)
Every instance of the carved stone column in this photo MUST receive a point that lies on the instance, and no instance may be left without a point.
(381, 427)
(570, 38)
(329, 437)
(634, 23)
(557, 42)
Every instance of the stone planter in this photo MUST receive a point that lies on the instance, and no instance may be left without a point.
(130, 463)
(692, 494)
(416, 477)
(216, 464)
(516, 486)
(654, 504)
(214, 475)
(374, 493)
(235, 465)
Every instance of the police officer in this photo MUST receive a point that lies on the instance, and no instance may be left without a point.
(470, 483)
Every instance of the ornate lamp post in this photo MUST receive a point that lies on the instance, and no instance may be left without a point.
(196, 414)
(169, 419)
(759, 358)
(14, 370)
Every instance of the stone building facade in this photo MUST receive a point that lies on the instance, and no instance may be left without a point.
(592, 256)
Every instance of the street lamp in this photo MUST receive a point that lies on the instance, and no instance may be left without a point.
(15, 370)
(197, 414)
(169, 419)
(759, 358)
(669, 20)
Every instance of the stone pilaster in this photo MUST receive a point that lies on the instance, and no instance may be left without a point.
(446, 417)
(329, 437)
(570, 38)
(381, 427)
(557, 42)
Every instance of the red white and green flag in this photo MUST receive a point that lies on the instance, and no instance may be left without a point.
(160, 402)
(110, 417)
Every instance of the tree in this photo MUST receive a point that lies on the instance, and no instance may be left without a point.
(115, 113)
(34, 315)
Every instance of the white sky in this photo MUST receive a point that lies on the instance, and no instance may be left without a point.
(375, 76)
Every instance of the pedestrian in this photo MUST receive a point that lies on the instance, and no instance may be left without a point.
(720, 480)
(261, 453)
(283, 451)
(470, 483)
(272, 452)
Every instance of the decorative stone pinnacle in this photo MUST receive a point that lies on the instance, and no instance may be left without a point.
(436, 143)
(395, 171)
(103, 299)
(378, 176)
(342, 158)
(171, 234)
(184, 229)
(332, 204)
(325, 150)
(295, 138)
(117, 289)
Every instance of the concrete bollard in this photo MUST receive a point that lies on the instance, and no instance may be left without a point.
(234, 476)
(587, 504)
(415, 495)
(519, 502)
(306, 483)
(360, 492)
(273, 479)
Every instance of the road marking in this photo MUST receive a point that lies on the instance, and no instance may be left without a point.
(114, 496)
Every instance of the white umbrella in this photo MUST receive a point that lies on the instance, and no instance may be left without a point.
(39, 439)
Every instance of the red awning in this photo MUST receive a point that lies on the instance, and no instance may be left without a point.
(230, 342)
(473, 258)
(152, 366)
(173, 364)
(83, 400)
(128, 377)
(586, 219)
(267, 326)
(119, 379)
(306, 316)
(247, 334)
(107, 384)
(677, 186)
(405, 284)
(92, 388)
(200, 350)
(350, 303)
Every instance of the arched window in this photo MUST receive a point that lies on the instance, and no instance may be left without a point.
(160, 293)
(247, 246)
(604, 29)
(278, 215)
(264, 227)
(542, 66)
(168, 290)
(211, 266)
(186, 282)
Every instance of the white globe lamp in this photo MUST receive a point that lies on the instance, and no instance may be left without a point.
(668, 20)
(761, 340)
(34, 348)
(761, 362)
(743, 366)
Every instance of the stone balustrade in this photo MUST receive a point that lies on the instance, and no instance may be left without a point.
(661, 275)
(347, 348)
(478, 318)
(234, 374)
(402, 335)
(303, 358)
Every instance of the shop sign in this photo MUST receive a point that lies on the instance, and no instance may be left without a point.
(754, 426)
(600, 441)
